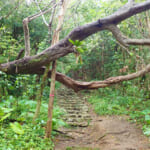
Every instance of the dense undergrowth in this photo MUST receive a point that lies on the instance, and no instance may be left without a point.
(118, 101)
(17, 130)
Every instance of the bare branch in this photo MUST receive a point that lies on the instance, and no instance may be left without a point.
(26, 37)
(79, 85)
(26, 28)
(51, 21)
(44, 11)
(138, 41)
(118, 34)
(125, 41)
(44, 20)
(53, 12)
(20, 53)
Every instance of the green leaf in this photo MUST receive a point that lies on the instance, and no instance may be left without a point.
(61, 123)
(147, 131)
(146, 111)
(80, 50)
(71, 41)
(2, 59)
(4, 117)
(131, 54)
(7, 110)
(1, 112)
(147, 118)
(77, 42)
(17, 128)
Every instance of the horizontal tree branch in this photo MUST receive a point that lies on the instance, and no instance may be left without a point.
(79, 85)
(64, 47)
(138, 41)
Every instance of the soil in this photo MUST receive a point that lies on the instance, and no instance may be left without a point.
(103, 133)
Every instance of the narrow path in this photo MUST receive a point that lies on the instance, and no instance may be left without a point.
(96, 132)
(77, 112)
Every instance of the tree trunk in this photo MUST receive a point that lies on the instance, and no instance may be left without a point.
(53, 74)
(40, 93)
(51, 101)
(45, 76)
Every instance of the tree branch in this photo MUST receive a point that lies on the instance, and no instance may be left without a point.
(118, 34)
(79, 85)
(20, 53)
(42, 12)
(125, 41)
(64, 47)
(26, 28)
(138, 41)
(26, 37)
(44, 20)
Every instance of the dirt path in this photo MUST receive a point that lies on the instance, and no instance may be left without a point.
(102, 133)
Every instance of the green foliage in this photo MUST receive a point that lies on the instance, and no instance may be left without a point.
(112, 102)
(17, 126)
(33, 138)
(77, 45)
(9, 46)
(4, 114)
(146, 130)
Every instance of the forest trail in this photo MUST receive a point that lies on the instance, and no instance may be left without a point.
(93, 132)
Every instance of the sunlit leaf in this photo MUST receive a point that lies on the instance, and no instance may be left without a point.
(17, 128)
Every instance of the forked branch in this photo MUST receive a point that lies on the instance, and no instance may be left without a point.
(124, 40)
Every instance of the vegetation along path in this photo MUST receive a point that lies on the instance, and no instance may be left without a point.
(92, 132)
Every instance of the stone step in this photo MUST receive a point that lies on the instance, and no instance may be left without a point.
(70, 100)
(70, 108)
(74, 120)
(76, 110)
(71, 103)
(77, 115)
(81, 124)
(74, 106)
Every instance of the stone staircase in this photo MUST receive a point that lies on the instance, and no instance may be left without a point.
(75, 107)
